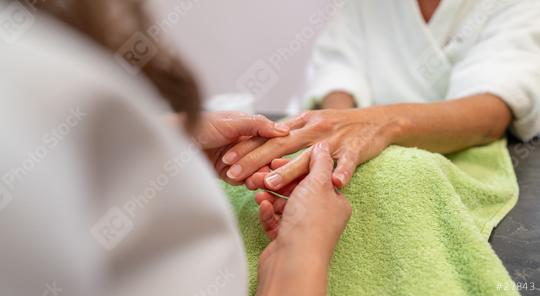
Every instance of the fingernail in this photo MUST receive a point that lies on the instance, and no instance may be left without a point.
(281, 127)
(274, 180)
(234, 171)
(229, 157)
(249, 184)
(341, 178)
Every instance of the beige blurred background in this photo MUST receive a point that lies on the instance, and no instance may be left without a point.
(246, 45)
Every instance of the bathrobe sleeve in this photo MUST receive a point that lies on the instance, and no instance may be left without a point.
(505, 61)
(337, 63)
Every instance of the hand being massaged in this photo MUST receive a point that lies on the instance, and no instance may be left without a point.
(353, 138)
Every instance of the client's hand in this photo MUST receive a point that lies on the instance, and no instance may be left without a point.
(218, 131)
(354, 136)
(304, 232)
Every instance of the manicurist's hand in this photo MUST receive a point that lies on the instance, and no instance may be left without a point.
(218, 131)
(304, 231)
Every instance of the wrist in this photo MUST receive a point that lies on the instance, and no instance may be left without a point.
(396, 122)
(297, 271)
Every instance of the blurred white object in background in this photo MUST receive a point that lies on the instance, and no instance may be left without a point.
(243, 102)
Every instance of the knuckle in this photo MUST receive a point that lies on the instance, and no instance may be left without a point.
(322, 124)
(305, 115)
(237, 114)
(250, 158)
(261, 118)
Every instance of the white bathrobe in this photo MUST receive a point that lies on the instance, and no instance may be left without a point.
(97, 195)
(383, 52)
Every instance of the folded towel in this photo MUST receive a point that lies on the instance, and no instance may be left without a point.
(420, 225)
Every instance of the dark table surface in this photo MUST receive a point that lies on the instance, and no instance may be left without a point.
(516, 240)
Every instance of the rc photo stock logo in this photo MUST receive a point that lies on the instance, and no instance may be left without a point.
(15, 20)
(5, 197)
(138, 51)
(112, 228)
(258, 79)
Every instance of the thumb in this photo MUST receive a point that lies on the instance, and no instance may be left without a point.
(321, 165)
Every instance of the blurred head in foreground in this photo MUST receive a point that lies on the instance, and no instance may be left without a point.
(111, 24)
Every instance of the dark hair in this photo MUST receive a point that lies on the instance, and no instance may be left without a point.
(111, 23)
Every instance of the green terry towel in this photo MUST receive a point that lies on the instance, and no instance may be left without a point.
(420, 224)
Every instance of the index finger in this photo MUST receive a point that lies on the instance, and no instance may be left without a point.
(263, 155)
(293, 170)
(243, 148)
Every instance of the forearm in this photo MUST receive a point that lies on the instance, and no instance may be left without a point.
(450, 126)
(298, 273)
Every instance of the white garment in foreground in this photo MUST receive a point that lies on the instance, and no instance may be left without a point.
(98, 196)
(383, 52)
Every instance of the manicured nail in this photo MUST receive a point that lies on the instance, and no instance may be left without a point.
(249, 184)
(281, 127)
(234, 171)
(273, 180)
(341, 178)
(229, 157)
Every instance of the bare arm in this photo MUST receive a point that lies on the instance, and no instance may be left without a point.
(451, 126)
(358, 135)
(293, 273)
